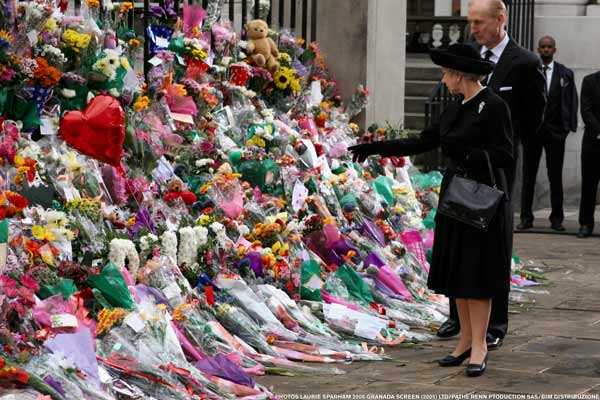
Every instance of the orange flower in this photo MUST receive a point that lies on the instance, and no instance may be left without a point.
(16, 200)
(125, 7)
(45, 74)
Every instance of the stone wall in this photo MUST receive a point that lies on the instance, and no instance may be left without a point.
(576, 34)
(364, 43)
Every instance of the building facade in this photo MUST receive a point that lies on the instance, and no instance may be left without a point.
(388, 41)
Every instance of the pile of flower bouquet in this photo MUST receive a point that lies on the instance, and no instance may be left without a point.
(175, 235)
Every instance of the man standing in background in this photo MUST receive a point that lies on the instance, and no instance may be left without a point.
(590, 152)
(518, 80)
(560, 118)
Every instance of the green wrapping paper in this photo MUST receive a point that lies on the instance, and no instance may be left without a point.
(66, 287)
(112, 286)
(429, 221)
(17, 108)
(383, 186)
(4, 231)
(354, 283)
(309, 269)
(263, 174)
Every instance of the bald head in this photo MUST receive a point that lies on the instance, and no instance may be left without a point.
(486, 20)
(491, 7)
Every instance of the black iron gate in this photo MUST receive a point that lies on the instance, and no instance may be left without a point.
(520, 21)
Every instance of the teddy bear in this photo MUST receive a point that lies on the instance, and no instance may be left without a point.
(176, 192)
(261, 48)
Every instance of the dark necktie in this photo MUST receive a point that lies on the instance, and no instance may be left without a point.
(487, 56)
(545, 71)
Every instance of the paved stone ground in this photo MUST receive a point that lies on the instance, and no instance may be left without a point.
(553, 345)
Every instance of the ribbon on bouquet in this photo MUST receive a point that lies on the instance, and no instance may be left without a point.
(189, 390)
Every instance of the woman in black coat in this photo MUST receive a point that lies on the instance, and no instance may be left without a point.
(469, 264)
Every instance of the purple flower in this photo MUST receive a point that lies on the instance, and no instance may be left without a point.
(301, 70)
(142, 220)
(54, 384)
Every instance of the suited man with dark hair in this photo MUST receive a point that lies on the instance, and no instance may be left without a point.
(518, 80)
(590, 152)
(560, 118)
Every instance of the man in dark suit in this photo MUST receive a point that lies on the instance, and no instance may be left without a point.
(590, 152)
(560, 118)
(518, 79)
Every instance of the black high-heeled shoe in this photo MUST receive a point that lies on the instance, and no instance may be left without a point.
(473, 370)
(451, 361)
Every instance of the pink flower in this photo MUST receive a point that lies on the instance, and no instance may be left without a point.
(206, 147)
(26, 294)
(29, 282)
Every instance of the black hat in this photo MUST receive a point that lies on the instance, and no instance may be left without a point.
(463, 58)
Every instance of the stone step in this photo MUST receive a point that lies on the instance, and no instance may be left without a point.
(423, 72)
(414, 104)
(414, 121)
(419, 88)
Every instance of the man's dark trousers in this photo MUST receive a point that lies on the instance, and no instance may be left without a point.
(552, 141)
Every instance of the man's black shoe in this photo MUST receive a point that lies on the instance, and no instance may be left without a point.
(557, 226)
(493, 342)
(449, 328)
(525, 225)
(584, 231)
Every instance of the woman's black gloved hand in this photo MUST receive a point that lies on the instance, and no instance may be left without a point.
(360, 152)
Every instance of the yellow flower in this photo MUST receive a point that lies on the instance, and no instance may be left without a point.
(285, 58)
(294, 85)
(198, 54)
(204, 220)
(196, 31)
(179, 312)
(71, 162)
(93, 3)
(134, 43)
(50, 25)
(4, 35)
(41, 233)
(256, 141)
(281, 79)
(141, 103)
(75, 39)
(125, 63)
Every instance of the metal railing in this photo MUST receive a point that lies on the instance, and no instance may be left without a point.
(520, 28)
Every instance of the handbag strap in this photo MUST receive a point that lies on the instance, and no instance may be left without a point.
(489, 164)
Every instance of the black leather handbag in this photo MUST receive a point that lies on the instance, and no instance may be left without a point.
(471, 202)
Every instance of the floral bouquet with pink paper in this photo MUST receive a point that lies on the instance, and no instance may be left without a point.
(226, 192)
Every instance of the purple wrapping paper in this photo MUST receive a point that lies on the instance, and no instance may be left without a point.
(54, 384)
(221, 367)
(343, 246)
(255, 262)
(144, 292)
(373, 231)
(374, 259)
(317, 242)
(79, 348)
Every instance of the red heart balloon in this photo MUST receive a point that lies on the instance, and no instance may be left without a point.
(98, 132)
